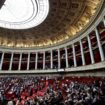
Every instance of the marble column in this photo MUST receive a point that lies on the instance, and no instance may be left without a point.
(28, 61)
(82, 53)
(44, 60)
(104, 21)
(20, 60)
(59, 64)
(74, 56)
(99, 45)
(51, 60)
(36, 61)
(11, 61)
(90, 49)
(1, 63)
(66, 57)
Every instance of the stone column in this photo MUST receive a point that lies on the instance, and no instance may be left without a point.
(36, 61)
(99, 45)
(90, 49)
(28, 61)
(104, 21)
(20, 60)
(82, 53)
(66, 57)
(74, 55)
(43, 60)
(11, 61)
(51, 62)
(59, 64)
(1, 63)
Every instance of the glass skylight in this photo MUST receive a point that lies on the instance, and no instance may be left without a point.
(23, 14)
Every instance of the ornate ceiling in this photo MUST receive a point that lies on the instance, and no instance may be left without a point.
(65, 19)
(23, 14)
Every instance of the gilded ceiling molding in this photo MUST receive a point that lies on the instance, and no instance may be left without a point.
(65, 20)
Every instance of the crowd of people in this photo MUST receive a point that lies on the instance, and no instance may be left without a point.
(59, 90)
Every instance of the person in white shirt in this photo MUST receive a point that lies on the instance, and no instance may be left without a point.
(10, 102)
